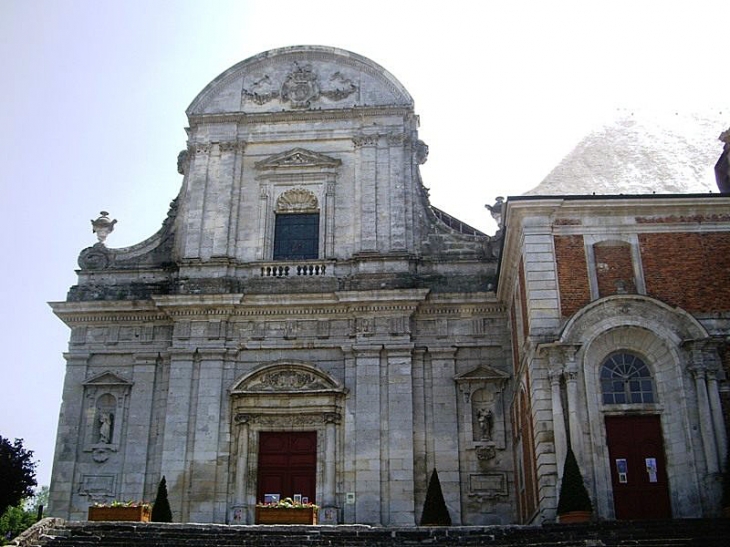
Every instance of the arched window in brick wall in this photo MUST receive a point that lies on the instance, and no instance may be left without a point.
(626, 379)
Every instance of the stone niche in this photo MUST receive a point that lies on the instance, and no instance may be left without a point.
(483, 437)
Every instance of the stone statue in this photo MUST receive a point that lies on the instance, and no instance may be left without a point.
(486, 423)
(182, 159)
(421, 152)
(496, 209)
(102, 226)
(105, 429)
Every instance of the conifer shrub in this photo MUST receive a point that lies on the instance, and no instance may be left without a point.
(435, 512)
(573, 493)
(161, 511)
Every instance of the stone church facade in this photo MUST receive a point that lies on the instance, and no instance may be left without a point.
(306, 322)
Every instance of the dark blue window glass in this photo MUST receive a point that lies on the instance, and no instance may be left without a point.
(626, 378)
(296, 236)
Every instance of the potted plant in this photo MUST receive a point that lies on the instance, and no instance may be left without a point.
(286, 511)
(120, 510)
(574, 503)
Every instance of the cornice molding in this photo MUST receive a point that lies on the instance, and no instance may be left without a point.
(242, 118)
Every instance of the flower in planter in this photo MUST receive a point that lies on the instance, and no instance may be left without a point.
(288, 503)
(129, 503)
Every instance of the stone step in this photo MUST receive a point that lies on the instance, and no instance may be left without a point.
(676, 533)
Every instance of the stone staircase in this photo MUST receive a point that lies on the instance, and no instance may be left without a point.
(58, 533)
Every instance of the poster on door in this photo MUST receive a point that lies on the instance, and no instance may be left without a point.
(622, 470)
(651, 469)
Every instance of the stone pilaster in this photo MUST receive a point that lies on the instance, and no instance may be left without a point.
(240, 502)
(180, 407)
(68, 438)
(204, 431)
(329, 489)
(365, 182)
(445, 437)
(555, 375)
(705, 414)
(368, 439)
(195, 183)
(138, 426)
(398, 206)
(574, 426)
(400, 511)
(718, 421)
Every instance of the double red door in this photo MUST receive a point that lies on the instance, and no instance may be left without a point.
(287, 464)
(638, 467)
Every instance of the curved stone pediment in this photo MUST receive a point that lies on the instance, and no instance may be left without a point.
(300, 78)
(286, 378)
(621, 310)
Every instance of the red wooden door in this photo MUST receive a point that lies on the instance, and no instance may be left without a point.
(638, 468)
(287, 464)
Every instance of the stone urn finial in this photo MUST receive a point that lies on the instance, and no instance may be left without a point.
(102, 226)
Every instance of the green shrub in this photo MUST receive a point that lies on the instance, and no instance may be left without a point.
(573, 493)
(13, 521)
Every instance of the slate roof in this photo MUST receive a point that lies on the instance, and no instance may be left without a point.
(643, 152)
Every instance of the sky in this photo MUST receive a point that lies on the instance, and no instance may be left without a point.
(94, 94)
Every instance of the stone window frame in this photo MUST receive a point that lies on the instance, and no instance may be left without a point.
(296, 201)
(292, 171)
(590, 240)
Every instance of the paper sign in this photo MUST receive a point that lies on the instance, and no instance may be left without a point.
(622, 470)
(651, 469)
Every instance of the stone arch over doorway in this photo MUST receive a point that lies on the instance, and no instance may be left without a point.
(679, 354)
(285, 397)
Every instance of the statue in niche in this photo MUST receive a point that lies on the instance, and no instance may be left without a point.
(105, 428)
(485, 417)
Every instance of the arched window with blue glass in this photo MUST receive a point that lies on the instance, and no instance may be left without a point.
(626, 379)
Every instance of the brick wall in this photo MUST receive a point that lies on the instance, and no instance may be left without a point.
(614, 269)
(527, 484)
(572, 274)
(690, 270)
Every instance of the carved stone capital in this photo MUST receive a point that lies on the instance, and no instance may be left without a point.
(198, 148)
(234, 146)
(244, 419)
(396, 138)
(554, 376)
(361, 141)
(331, 418)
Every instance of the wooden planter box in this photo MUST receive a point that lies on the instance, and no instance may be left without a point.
(284, 515)
(139, 513)
(575, 516)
